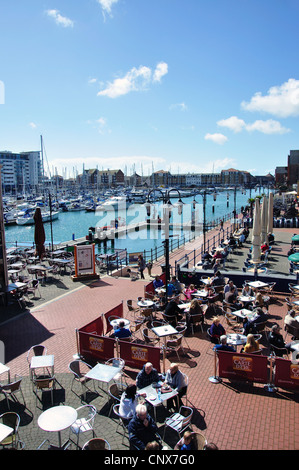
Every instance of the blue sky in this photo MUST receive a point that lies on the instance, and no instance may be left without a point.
(179, 85)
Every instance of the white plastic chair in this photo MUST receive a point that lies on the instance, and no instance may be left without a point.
(84, 422)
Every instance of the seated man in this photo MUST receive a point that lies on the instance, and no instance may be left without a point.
(176, 284)
(292, 322)
(173, 310)
(142, 428)
(157, 282)
(276, 339)
(147, 376)
(259, 317)
(223, 346)
(121, 331)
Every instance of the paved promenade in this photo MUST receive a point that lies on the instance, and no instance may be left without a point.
(234, 415)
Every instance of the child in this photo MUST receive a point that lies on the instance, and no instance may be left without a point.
(186, 443)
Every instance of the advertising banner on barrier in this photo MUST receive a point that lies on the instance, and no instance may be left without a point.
(95, 327)
(136, 355)
(286, 374)
(243, 366)
(117, 311)
(98, 348)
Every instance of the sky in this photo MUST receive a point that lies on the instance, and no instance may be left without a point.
(188, 86)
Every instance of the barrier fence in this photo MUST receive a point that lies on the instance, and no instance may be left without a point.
(271, 371)
(93, 345)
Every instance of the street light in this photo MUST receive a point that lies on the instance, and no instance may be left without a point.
(204, 200)
(167, 207)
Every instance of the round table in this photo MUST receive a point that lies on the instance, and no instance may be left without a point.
(115, 323)
(145, 303)
(294, 258)
(56, 419)
(236, 339)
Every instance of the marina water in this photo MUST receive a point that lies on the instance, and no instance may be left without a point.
(75, 224)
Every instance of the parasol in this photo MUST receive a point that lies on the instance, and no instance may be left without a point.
(256, 233)
(264, 219)
(270, 214)
(39, 233)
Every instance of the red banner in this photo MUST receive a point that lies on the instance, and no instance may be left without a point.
(117, 311)
(97, 348)
(136, 355)
(243, 366)
(286, 374)
(96, 327)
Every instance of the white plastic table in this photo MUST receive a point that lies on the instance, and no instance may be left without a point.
(103, 373)
(257, 284)
(42, 362)
(3, 369)
(162, 332)
(4, 431)
(56, 419)
(152, 396)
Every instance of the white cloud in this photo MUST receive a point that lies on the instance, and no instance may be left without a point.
(161, 70)
(100, 125)
(107, 6)
(32, 125)
(59, 19)
(282, 101)
(92, 80)
(266, 127)
(233, 123)
(136, 79)
(217, 138)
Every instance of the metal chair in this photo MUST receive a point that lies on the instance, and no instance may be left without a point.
(180, 421)
(10, 389)
(291, 330)
(34, 287)
(197, 320)
(96, 444)
(12, 420)
(117, 362)
(44, 384)
(114, 392)
(36, 350)
(123, 422)
(79, 369)
(149, 337)
(84, 422)
(175, 344)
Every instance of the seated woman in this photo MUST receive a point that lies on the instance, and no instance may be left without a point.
(128, 402)
(216, 330)
(251, 344)
(189, 291)
(194, 309)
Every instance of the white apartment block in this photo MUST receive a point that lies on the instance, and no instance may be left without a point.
(20, 170)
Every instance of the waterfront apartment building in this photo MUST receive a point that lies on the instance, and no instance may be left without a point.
(293, 167)
(20, 171)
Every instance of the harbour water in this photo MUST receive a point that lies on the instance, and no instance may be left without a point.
(74, 225)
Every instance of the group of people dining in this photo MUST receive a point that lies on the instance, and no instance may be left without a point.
(143, 431)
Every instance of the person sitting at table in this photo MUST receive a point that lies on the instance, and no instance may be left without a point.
(231, 298)
(207, 258)
(142, 428)
(194, 309)
(176, 284)
(121, 332)
(247, 291)
(128, 402)
(217, 256)
(291, 321)
(259, 317)
(189, 291)
(170, 289)
(186, 442)
(218, 279)
(172, 309)
(251, 345)
(157, 282)
(147, 375)
(160, 302)
(216, 330)
(175, 379)
(223, 346)
(259, 300)
(264, 247)
(275, 338)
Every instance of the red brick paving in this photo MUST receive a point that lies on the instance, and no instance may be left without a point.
(233, 415)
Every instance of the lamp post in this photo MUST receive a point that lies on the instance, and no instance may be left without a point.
(204, 200)
(166, 216)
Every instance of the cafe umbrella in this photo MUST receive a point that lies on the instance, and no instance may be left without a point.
(39, 233)
(270, 214)
(256, 236)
